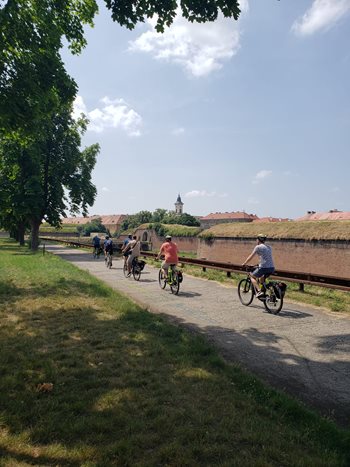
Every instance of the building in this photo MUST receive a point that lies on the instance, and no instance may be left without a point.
(179, 205)
(112, 222)
(225, 217)
(332, 215)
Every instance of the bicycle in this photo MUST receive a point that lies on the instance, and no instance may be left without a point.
(108, 260)
(174, 279)
(137, 267)
(96, 252)
(273, 293)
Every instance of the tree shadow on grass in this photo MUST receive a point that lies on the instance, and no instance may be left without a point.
(130, 388)
(9, 292)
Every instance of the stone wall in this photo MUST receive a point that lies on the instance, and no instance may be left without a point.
(329, 258)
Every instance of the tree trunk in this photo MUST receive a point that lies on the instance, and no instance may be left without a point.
(35, 234)
(20, 234)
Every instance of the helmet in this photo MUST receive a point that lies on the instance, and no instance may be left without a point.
(168, 237)
(261, 237)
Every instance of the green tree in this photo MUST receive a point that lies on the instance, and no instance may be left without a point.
(181, 219)
(94, 226)
(45, 177)
(32, 75)
(158, 215)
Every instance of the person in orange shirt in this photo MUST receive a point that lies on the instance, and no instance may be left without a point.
(170, 252)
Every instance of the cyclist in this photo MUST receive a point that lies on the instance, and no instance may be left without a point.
(170, 252)
(266, 264)
(96, 244)
(126, 252)
(134, 248)
(108, 246)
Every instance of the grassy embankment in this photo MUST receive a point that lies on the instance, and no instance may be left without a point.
(128, 387)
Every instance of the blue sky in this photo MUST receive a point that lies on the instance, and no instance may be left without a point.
(251, 115)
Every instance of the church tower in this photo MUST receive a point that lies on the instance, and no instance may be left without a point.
(178, 205)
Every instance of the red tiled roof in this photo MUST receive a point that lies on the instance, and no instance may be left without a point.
(325, 216)
(229, 215)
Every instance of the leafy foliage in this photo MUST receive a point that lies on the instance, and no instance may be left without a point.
(129, 13)
(43, 178)
(158, 217)
(181, 219)
(32, 73)
(94, 226)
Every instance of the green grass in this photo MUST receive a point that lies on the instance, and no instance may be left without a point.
(130, 389)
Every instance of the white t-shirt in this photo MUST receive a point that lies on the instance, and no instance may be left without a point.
(265, 256)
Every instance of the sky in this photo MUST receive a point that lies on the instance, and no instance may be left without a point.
(250, 115)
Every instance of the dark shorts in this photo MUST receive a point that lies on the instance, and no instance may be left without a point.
(127, 253)
(259, 272)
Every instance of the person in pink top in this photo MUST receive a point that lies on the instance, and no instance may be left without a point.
(170, 252)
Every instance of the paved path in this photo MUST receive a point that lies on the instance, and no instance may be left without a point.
(303, 350)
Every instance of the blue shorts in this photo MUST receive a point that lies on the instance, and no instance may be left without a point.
(259, 272)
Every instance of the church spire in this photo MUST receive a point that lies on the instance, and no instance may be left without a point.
(179, 205)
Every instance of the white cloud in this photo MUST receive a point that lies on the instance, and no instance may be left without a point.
(204, 193)
(178, 131)
(198, 48)
(104, 188)
(335, 189)
(112, 114)
(262, 175)
(79, 107)
(322, 15)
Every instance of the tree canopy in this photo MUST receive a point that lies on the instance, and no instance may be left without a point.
(159, 216)
(129, 13)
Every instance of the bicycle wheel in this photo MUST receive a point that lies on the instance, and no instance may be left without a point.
(125, 270)
(246, 291)
(136, 272)
(161, 279)
(274, 299)
(175, 284)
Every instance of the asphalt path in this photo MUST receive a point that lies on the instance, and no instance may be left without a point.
(303, 350)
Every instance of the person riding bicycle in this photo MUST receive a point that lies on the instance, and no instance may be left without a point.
(96, 242)
(108, 246)
(266, 264)
(133, 250)
(170, 252)
(126, 252)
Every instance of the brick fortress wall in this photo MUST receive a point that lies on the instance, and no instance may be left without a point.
(329, 258)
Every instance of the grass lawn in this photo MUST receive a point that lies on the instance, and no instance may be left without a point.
(128, 388)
